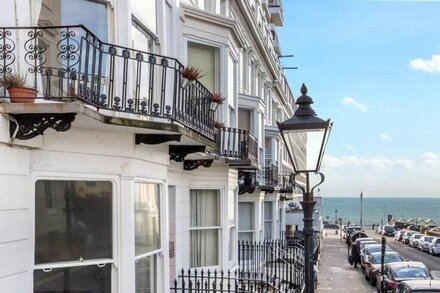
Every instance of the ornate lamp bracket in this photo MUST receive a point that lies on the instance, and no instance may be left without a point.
(34, 124)
(179, 152)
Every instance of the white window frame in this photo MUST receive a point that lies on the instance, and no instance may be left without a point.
(253, 231)
(157, 252)
(59, 176)
(234, 225)
(218, 228)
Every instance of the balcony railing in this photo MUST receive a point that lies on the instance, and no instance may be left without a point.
(238, 146)
(267, 178)
(68, 63)
(285, 182)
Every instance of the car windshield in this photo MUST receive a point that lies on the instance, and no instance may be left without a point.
(376, 248)
(410, 272)
(390, 257)
(417, 236)
(409, 233)
(428, 239)
(389, 229)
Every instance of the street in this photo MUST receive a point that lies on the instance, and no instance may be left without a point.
(407, 252)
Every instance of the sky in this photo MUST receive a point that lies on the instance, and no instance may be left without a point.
(373, 68)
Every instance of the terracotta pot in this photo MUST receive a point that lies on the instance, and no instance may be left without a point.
(22, 94)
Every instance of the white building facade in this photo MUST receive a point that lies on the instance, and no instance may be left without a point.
(115, 178)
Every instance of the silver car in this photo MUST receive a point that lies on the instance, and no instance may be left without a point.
(406, 236)
(434, 246)
(424, 242)
(414, 240)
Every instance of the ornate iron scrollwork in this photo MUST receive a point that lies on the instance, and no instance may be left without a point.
(194, 164)
(179, 152)
(31, 125)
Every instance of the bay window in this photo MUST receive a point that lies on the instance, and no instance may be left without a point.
(73, 236)
(205, 228)
(147, 235)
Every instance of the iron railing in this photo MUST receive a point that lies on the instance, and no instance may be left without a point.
(267, 178)
(238, 144)
(285, 182)
(66, 63)
(281, 263)
(236, 281)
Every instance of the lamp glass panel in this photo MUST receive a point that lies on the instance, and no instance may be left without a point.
(305, 147)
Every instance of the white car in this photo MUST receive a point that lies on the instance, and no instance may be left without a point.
(399, 235)
(434, 246)
(424, 242)
(406, 236)
(414, 240)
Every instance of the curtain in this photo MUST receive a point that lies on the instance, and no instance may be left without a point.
(205, 58)
(245, 216)
(205, 210)
(268, 211)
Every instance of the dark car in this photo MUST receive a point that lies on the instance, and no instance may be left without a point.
(396, 272)
(414, 228)
(421, 286)
(400, 225)
(388, 231)
(372, 264)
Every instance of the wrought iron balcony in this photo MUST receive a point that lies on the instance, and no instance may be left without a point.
(239, 147)
(285, 182)
(70, 63)
(267, 178)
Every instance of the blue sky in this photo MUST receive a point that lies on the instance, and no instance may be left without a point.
(373, 67)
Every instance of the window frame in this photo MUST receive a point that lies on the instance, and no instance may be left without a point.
(253, 231)
(233, 261)
(162, 210)
(219, 228)
(60, 176)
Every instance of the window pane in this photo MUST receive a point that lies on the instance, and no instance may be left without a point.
(90, 279)
(205, 208)
(245, 236)
(245, 216)
(146, 269)
(268, 230)
(73, 220)
(204, 248)
(147, 217)
(268, 211)
(206, 59)
(232, 243)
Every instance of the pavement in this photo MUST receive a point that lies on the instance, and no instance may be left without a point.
(335, 273)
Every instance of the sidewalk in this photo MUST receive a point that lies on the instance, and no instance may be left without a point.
(335, 273)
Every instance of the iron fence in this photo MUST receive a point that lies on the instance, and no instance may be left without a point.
(66, 63)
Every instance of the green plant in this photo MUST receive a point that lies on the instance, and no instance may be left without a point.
(13, 80)
(191, 73)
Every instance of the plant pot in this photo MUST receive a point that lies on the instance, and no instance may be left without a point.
(185, 82)
(22, 94)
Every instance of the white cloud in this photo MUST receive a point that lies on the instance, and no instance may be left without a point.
(376, 163)
(430, 159)
(385, 136)
(349, 101)
(426, 65)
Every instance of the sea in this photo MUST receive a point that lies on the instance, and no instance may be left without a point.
(376, 210)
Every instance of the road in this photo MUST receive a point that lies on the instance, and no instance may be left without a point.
(407, 252)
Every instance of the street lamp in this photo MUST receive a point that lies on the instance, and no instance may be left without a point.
(305, 137)
(336, 216)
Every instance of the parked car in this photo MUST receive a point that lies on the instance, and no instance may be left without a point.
(414, 228)
(434, 246)
(399, 235)
(419, 286)
(406, 236)
(388, 230)
(396, 272)
(330, 226)
(371, 248)
(414, 240)
(425, 229)
(372, 264)
(424, 242)
(400, 225)
(434, 232)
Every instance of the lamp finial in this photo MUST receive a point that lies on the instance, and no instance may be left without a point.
(303, 89)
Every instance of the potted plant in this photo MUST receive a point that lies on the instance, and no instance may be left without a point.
(17, 89)
(216, 101)
(190, 74)
(218, 125)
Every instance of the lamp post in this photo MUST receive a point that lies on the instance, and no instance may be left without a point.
(362, 197)
(336, 216)
(305, 137)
